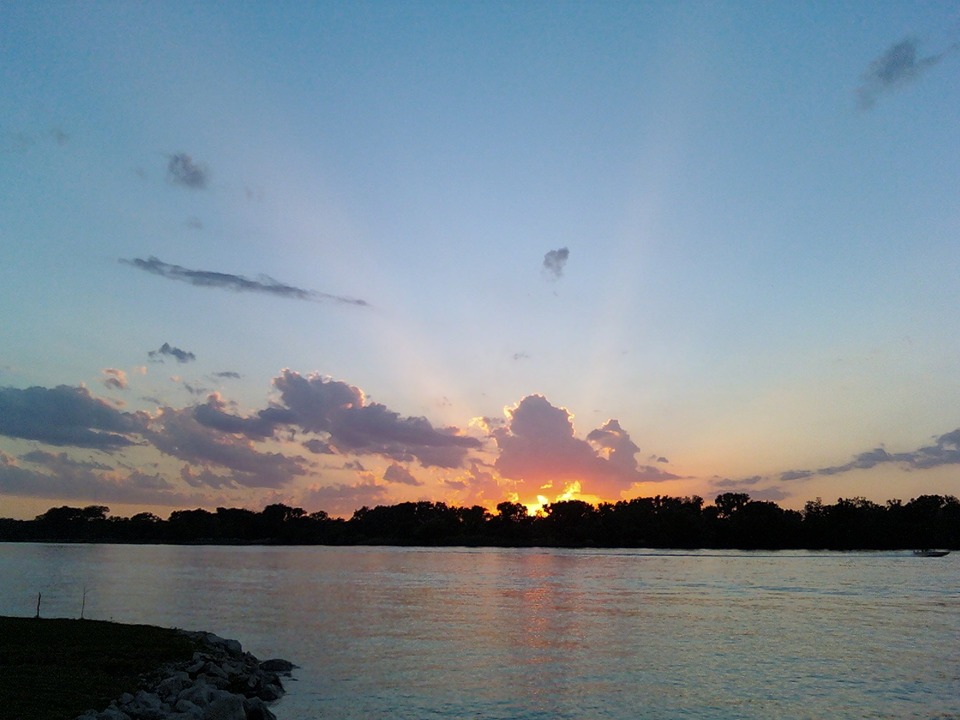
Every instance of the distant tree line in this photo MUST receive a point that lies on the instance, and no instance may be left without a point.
(733, 521)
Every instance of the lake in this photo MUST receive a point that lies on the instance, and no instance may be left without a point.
(531, 634)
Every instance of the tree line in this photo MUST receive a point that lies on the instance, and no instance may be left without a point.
(732, 521)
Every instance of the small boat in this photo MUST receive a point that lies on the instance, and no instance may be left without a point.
(931, 553)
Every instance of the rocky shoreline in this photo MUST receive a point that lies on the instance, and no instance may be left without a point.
(220, 682)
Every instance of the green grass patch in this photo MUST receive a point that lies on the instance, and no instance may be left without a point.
(54, 669)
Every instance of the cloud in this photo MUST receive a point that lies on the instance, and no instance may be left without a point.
(944, 451)
(179, 434)
(554, 262)
(167, 350)
(236, 283)
(538, 449)
(895, 67)
(114, 379)
(340, 413)
(750, 486)
(398, 474)
(319, 447)
(182, 170)
(212, 414)
(66, 416)
(227, 374)
(342, 499)
(58, 476)
(478, 486)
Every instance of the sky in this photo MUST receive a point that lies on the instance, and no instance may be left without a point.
(347, 254)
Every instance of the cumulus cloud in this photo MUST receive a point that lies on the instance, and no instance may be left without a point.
(179, 434)
(67, 416)
(182, 170)
(895, 67)
(114, 379)
(167, 350)
(341, 414)
(212, 414)
(554, 262)
(237, 283)
(398, 474)
(478, 486)
(538, 449)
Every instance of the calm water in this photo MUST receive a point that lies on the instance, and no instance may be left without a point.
(536, 634)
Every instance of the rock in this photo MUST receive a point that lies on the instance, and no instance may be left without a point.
(172, 686)
(257, 709)
(277, 665)
(228, 707)
(270, 692)
(220, 682)
(112, 713)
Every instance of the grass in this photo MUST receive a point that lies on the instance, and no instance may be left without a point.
(54, 669)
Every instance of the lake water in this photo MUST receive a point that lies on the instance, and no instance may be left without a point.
(405, 633)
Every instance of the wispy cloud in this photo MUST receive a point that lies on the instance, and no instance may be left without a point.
(554, 262)
(167, 350)
(895, 67)
(182, 170)
(237, 283)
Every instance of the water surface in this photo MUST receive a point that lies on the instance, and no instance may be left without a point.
(535, 634)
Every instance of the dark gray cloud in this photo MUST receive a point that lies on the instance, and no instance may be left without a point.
(236, 283)
(227, 374)
(319, 447)
(59, 476)
(346, 423)
(944, 451)
(42, 457)
(399, 474)
(180, 434)
(182, 170)
(538, 449)
(554, 262)
(167, 350)
(350, 424)
(67, 416)
(895, 67)
(261, 426)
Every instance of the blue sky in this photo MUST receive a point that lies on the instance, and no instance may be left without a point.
(593, 250)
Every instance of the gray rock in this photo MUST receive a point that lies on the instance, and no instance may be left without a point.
(277, 665)
(112, 713)
(228, 707)
(257, 709)
(172, 686)
(201, 694)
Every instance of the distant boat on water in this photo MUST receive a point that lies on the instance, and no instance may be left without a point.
(931, 553)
